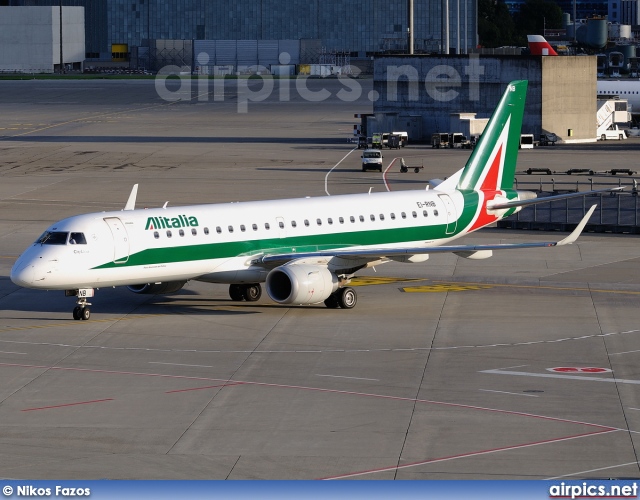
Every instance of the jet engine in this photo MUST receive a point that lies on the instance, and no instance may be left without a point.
(300, 284)
(157, 288)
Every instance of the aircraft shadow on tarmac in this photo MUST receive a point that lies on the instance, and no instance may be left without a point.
(120, 301)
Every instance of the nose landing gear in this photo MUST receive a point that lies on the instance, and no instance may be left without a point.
(81, 311)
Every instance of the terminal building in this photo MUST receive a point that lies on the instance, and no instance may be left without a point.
(357, 28)
(421, 94)
(30, 39)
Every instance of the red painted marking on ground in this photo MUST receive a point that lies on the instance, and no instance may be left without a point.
(577, 369)
(470, 454)
(203, 388)
(318, 389)
(68, 404)
(602, 429)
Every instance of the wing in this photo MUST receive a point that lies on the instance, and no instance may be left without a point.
(372, 254)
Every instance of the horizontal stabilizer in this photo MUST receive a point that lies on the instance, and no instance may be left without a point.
(534, 201)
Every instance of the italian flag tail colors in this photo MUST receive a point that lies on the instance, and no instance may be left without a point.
(492, 165)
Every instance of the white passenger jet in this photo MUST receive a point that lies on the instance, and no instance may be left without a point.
(305, 250)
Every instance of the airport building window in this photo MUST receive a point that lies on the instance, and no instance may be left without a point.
(156, 235)
(218, 230)
(194, 231)
(169, 234)
(206, 230)
(181, 232)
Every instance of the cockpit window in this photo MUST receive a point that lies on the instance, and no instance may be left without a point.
(77, 239)
(53, 238)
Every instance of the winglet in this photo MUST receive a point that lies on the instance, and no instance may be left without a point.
(576, 232)
(131, 202)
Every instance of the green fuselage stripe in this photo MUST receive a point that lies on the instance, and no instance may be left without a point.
(302, 243)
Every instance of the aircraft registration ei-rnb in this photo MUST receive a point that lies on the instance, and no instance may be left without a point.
(304, 250)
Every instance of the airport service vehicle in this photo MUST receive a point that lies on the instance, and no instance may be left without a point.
(614, 133)
(549, 139)
(372, 160)
(457, 140)
(440, 140)
(393, 142)
(526, 141)
(404, 138)
(376, 141)
(305, 251)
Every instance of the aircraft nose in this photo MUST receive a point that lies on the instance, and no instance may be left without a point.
(23, 273)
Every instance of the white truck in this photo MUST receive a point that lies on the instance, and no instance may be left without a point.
(612, 132)
(372, 159)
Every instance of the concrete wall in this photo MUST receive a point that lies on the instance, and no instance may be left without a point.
(569, 97)
(73, 42)
(433, 87)
(30, 38)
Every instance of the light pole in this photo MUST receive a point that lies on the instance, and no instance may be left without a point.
(410, 41)
(61, 60)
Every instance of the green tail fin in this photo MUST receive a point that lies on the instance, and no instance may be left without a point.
(492, 164)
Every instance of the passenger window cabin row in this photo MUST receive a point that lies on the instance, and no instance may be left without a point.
(307, 223)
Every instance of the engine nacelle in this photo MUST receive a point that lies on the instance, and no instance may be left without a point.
(300, 284)
(157, 288)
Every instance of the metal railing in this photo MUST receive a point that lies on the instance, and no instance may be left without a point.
(616, 212)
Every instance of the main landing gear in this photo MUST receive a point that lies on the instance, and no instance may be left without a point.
(250, 292)
(344, 298)
(81, 311)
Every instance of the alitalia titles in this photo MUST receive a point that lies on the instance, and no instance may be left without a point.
(171, 222)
